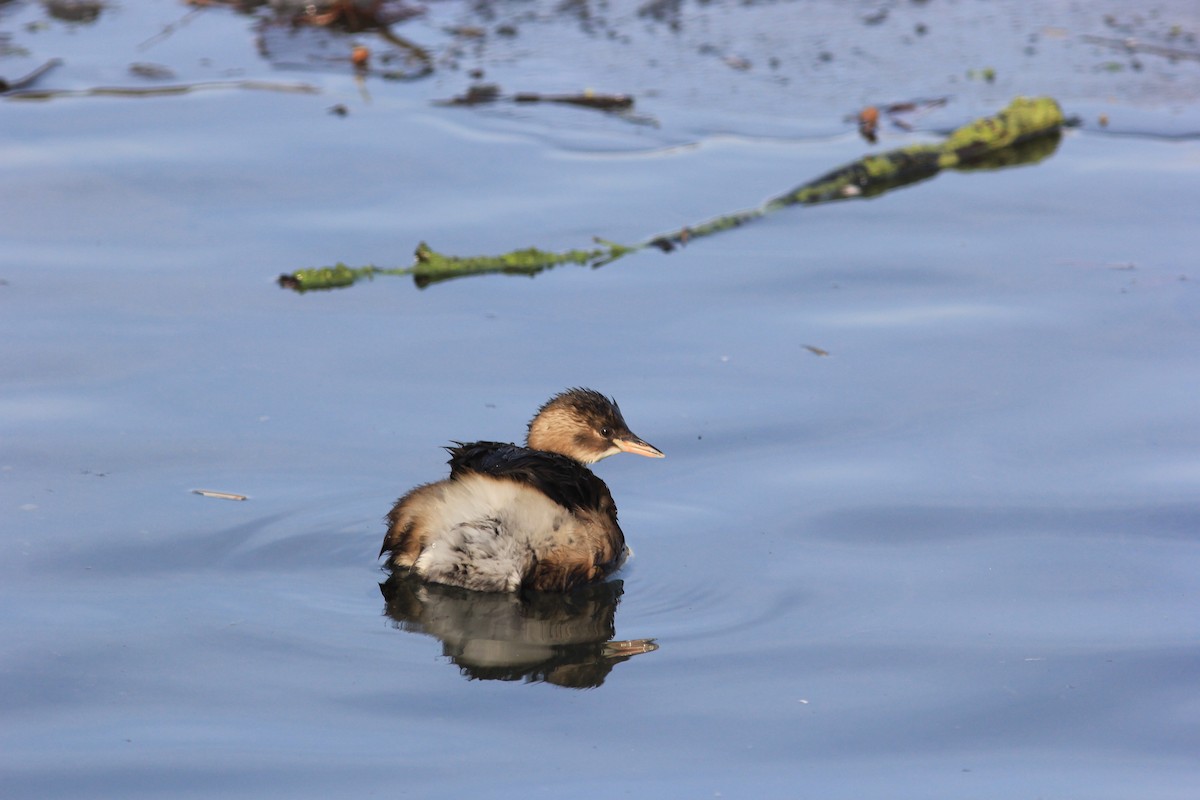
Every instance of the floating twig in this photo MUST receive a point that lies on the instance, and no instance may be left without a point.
(1023, 133)
(171, 27)
(430, 266)
(157, 91)
(8, 87)
(415, 52)
(600, 102)
(483, 93)
(219, 495)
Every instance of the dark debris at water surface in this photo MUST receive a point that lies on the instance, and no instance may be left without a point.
(899, 115)
(411, 40)
(484, 93)
(330, 36)
(281, 41)
(74, 11)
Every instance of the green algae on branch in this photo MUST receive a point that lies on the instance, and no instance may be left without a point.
(1024, 120)
(336, 277)
(431, 266)
(1023, 133)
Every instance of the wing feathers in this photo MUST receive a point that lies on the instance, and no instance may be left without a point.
(562, 479)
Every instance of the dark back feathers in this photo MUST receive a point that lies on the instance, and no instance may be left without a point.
(562, 479)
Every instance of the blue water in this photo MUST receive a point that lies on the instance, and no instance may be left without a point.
(955, 556)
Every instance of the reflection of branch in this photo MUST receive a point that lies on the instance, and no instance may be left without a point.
(157, 91)
(169, 29)
(1025, 132)
(413, 49)
(7, 87)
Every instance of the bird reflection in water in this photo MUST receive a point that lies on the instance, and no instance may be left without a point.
(563, 639)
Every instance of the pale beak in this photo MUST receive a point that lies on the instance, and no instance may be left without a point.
(632, 444)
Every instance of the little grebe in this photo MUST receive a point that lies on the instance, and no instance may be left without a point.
(512, 517)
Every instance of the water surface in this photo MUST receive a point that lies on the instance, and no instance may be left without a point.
(955, 556)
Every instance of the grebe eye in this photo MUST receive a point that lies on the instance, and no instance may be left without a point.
(606, 432)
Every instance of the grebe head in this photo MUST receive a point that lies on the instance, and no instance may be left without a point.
(586, 426)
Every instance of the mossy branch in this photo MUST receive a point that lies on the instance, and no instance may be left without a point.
(1023, 133)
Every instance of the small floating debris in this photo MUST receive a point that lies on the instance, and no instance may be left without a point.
(587, 99)
(475, 95)
(986, 74)
(360, 57)
(897, 114)
(482, 93)
(78, 11)
(153, 72)
(816, 351)
(875, 18)
(467, 32)
(868, 124)
(219, 495)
